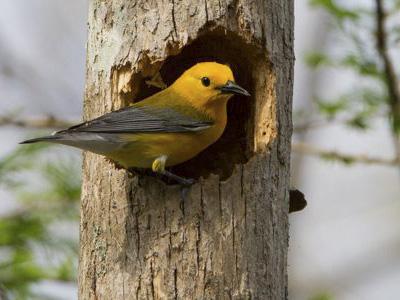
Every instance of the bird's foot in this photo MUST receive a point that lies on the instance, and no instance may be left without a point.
(159, 167)
(185, 182)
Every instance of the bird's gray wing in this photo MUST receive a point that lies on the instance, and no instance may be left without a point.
(143, 119)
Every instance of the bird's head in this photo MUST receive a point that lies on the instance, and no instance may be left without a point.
(208, 83)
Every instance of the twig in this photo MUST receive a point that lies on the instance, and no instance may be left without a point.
(382, 47)
(391, 78)
(41, 123)
(318, 124)
(309, 125)
(3, 294)
(343, 157)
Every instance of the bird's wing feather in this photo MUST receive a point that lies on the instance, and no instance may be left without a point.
(143, 119)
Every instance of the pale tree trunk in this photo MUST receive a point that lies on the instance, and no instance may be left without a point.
(229, 238)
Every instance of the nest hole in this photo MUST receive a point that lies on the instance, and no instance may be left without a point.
(236, 145)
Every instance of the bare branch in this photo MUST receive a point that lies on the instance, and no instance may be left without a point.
(40, 123)
(306, 149)
(382, 47)
(313, 124)
(392, 81)
(310, 125)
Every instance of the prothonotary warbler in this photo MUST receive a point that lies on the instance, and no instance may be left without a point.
(163, 130)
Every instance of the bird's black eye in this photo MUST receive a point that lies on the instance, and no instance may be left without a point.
(205, 81)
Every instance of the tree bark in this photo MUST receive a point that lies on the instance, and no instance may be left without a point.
(229, 238)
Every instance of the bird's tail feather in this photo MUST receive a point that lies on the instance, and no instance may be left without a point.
(94, 142)
(50, 138)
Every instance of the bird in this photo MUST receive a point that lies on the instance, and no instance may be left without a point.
(163, 130)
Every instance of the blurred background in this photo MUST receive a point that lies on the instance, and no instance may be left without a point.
(344, 245)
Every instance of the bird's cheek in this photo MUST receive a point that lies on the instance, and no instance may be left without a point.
(218, 98)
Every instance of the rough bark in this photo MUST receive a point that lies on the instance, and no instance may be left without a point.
(229, 239)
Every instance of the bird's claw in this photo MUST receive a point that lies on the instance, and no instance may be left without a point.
(184, 192)
(187, 182)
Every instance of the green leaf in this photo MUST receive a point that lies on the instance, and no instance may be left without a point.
(28, 229)
(337, 11)
(19, 229)
(64, 178)
(21, 271)
(317, 59)
(362, 66)
(66, 270)
(396, 124)
(322, 296)
(347, 160)
(331, 108)
(359, 121)
(372, 98)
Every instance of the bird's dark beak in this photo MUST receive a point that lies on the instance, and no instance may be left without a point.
(232, 88)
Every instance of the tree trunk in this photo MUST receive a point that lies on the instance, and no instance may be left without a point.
(229, 237)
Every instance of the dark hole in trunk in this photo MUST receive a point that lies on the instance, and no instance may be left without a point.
(237, 142)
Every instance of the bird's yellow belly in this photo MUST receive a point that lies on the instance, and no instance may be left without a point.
(142, 149)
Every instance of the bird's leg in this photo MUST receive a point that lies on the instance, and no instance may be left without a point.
(179, 179)
(159, 167)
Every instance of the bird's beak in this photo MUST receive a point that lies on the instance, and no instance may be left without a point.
(232, 88)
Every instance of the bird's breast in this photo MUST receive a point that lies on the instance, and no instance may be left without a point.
(180, 147)
(142, 149)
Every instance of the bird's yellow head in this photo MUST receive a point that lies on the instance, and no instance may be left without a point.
(208, 83)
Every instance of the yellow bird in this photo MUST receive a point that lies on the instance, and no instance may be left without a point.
(163, 130)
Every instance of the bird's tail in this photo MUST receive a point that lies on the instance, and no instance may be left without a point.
(50, 138)
(94, 142)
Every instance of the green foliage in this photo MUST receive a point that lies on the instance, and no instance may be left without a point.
(18, 229)
(317, 59)
(47, 202)
(339, 12)
(362, 65)
(331, 108)
(66, 270)
(333, 156)
(322, 296)
(16, 161)
(354, 30)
